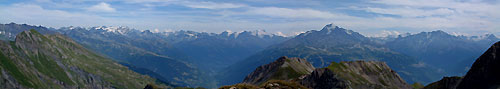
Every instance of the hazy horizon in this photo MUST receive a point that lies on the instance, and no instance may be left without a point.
(370, 18)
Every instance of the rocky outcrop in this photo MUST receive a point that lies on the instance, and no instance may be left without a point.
(282, 69)
(445, 83)
(484, 73)
(324, 78)
(343, 75)
(357, 75)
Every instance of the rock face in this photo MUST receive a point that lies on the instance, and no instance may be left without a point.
(282, 69)
(356, 75)
(324, 78)
(41, 61)
(343, 75)
(445, 83)
(484, 73)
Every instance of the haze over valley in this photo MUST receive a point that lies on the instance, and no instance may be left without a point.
(252, 44)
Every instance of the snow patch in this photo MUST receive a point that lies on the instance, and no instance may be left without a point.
(482, 37)
(349, 32)
(386, 33)
(280, 34)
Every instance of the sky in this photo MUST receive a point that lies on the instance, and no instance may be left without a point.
(369, 17)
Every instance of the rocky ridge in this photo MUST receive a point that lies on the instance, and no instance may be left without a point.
(343, 75)
(282, 69)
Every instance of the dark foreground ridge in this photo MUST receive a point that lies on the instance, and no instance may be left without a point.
(484, 73)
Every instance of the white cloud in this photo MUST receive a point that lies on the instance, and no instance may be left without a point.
(101, 7)
(212, 5)
(411, 12)
(425, 15)
(291, 13)
(36, 15)
(385, 33)
(190, 4)
(469, 7)
(280, 34)
(411, 15)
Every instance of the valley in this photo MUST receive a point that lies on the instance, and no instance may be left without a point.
(210, 60)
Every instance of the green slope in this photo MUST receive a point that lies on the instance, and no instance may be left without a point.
(55, 62)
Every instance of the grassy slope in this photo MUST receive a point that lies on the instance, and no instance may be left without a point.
(55, 55)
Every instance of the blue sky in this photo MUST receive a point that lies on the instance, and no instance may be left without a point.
(369, 17)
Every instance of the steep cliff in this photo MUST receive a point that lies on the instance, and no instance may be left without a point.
(484, 73)
(445, 83)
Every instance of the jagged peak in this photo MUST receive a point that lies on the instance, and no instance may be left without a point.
(329, 28)
(116, 29)
(72, 28)
(29, 34)
(438, 32)
(490, 36)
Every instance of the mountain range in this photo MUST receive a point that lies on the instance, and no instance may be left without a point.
(334, 44)
(437, 47)
(295, 73)
(202, 59)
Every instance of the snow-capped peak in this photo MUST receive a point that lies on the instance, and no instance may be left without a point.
(120, 29)
(328, 28)
(483, 37)
(280, 34)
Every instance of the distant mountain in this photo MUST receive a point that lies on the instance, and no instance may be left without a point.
(114, 43)
(184, 58)
(482, 75)
(438, 47)
(294, 73)
(218, 51)
(332, 44)
(485, 40)
(34, 60)
(9, 31)
(144, 51)
(191, 58)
